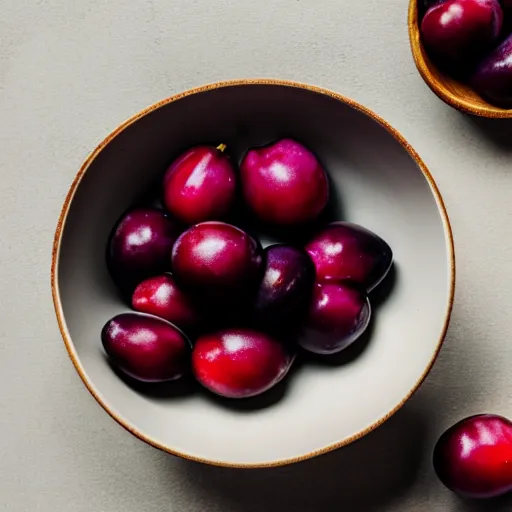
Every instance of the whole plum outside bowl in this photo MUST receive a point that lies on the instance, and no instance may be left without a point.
(377, 181)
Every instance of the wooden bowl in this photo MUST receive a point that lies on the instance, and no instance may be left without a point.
(378, 181)
(456, 94)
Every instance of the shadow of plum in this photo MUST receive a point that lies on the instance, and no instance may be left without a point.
(497, 131)
(177, 389)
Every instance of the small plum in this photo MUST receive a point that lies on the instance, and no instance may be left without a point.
(139, 247)
(145, 347)
(345, 251)
(473, 458)
(240, 363)
(200, 185)
(217, 261)
(284, 183)
(161, 296)
(457, 33)
(339, 314)
(286, 287)
(493, 77)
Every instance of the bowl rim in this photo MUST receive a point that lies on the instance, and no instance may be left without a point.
(197, 90)
(455, 101)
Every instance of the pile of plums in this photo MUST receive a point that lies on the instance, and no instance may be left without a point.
(472, 41)
(209, 298)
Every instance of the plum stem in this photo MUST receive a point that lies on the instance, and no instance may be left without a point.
(222, 147)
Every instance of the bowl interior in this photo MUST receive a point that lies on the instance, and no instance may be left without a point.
(455, 93)
(376, 183)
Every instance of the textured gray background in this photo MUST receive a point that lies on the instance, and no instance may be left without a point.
(70, 72)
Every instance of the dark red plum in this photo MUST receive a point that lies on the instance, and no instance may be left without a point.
(284, 183)
(240, 363)
(217, 261)
(140, 246)
(473, 458)
(493, 78)
(146, 348)
(200, 185)
(345, 251)
(162, 297)
(284, 291)
(339, 314)
(457, 33)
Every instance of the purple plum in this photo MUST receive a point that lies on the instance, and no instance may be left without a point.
(284, 291)
(345, 251)
(339, 314)
(284, 183)
(145, 347)
(140, 246)
(240, 363)
(493, 77)
(200, 185)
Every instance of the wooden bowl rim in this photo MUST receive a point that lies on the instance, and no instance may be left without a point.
(438, 88)
(213, 86)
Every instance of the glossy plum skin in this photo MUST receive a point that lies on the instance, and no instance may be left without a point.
(145, 347)
(139, 247)
(473, 458)
(493, 77)
(240, 363)
(339, 313)
(345, 251)
(161, 296)
(286, 286)
(459, 32)
(284, 183)
(200, 185)
(217, 261)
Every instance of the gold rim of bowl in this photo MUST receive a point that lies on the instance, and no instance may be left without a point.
(62, 221)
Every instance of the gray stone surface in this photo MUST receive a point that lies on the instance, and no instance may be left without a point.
(70, 72)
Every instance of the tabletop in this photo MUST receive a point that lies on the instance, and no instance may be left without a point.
(70, 72)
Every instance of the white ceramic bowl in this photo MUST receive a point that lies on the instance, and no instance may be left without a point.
(380, 182)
